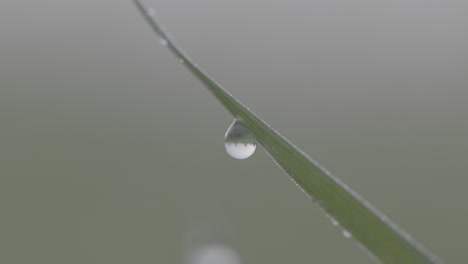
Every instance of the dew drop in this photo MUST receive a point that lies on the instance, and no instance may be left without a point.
(239, 141)
(163, 42)
(347, 234)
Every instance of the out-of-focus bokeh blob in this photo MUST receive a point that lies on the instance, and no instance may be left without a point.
(213, 254)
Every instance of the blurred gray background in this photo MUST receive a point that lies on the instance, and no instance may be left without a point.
(111, 152)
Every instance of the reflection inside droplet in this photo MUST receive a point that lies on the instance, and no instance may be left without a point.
(239, 141)
(239, 150)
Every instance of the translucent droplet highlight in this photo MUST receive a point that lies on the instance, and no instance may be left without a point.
(239, 141)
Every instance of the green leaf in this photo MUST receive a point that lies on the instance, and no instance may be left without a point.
(382, 238)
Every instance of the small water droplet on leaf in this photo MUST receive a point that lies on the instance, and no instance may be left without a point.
(347, 234)
(163, 42)
(239, 141)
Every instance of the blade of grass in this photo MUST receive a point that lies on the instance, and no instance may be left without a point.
(373, 230)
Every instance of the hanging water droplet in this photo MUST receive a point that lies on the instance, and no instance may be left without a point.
(163, 42)
(239, 141)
